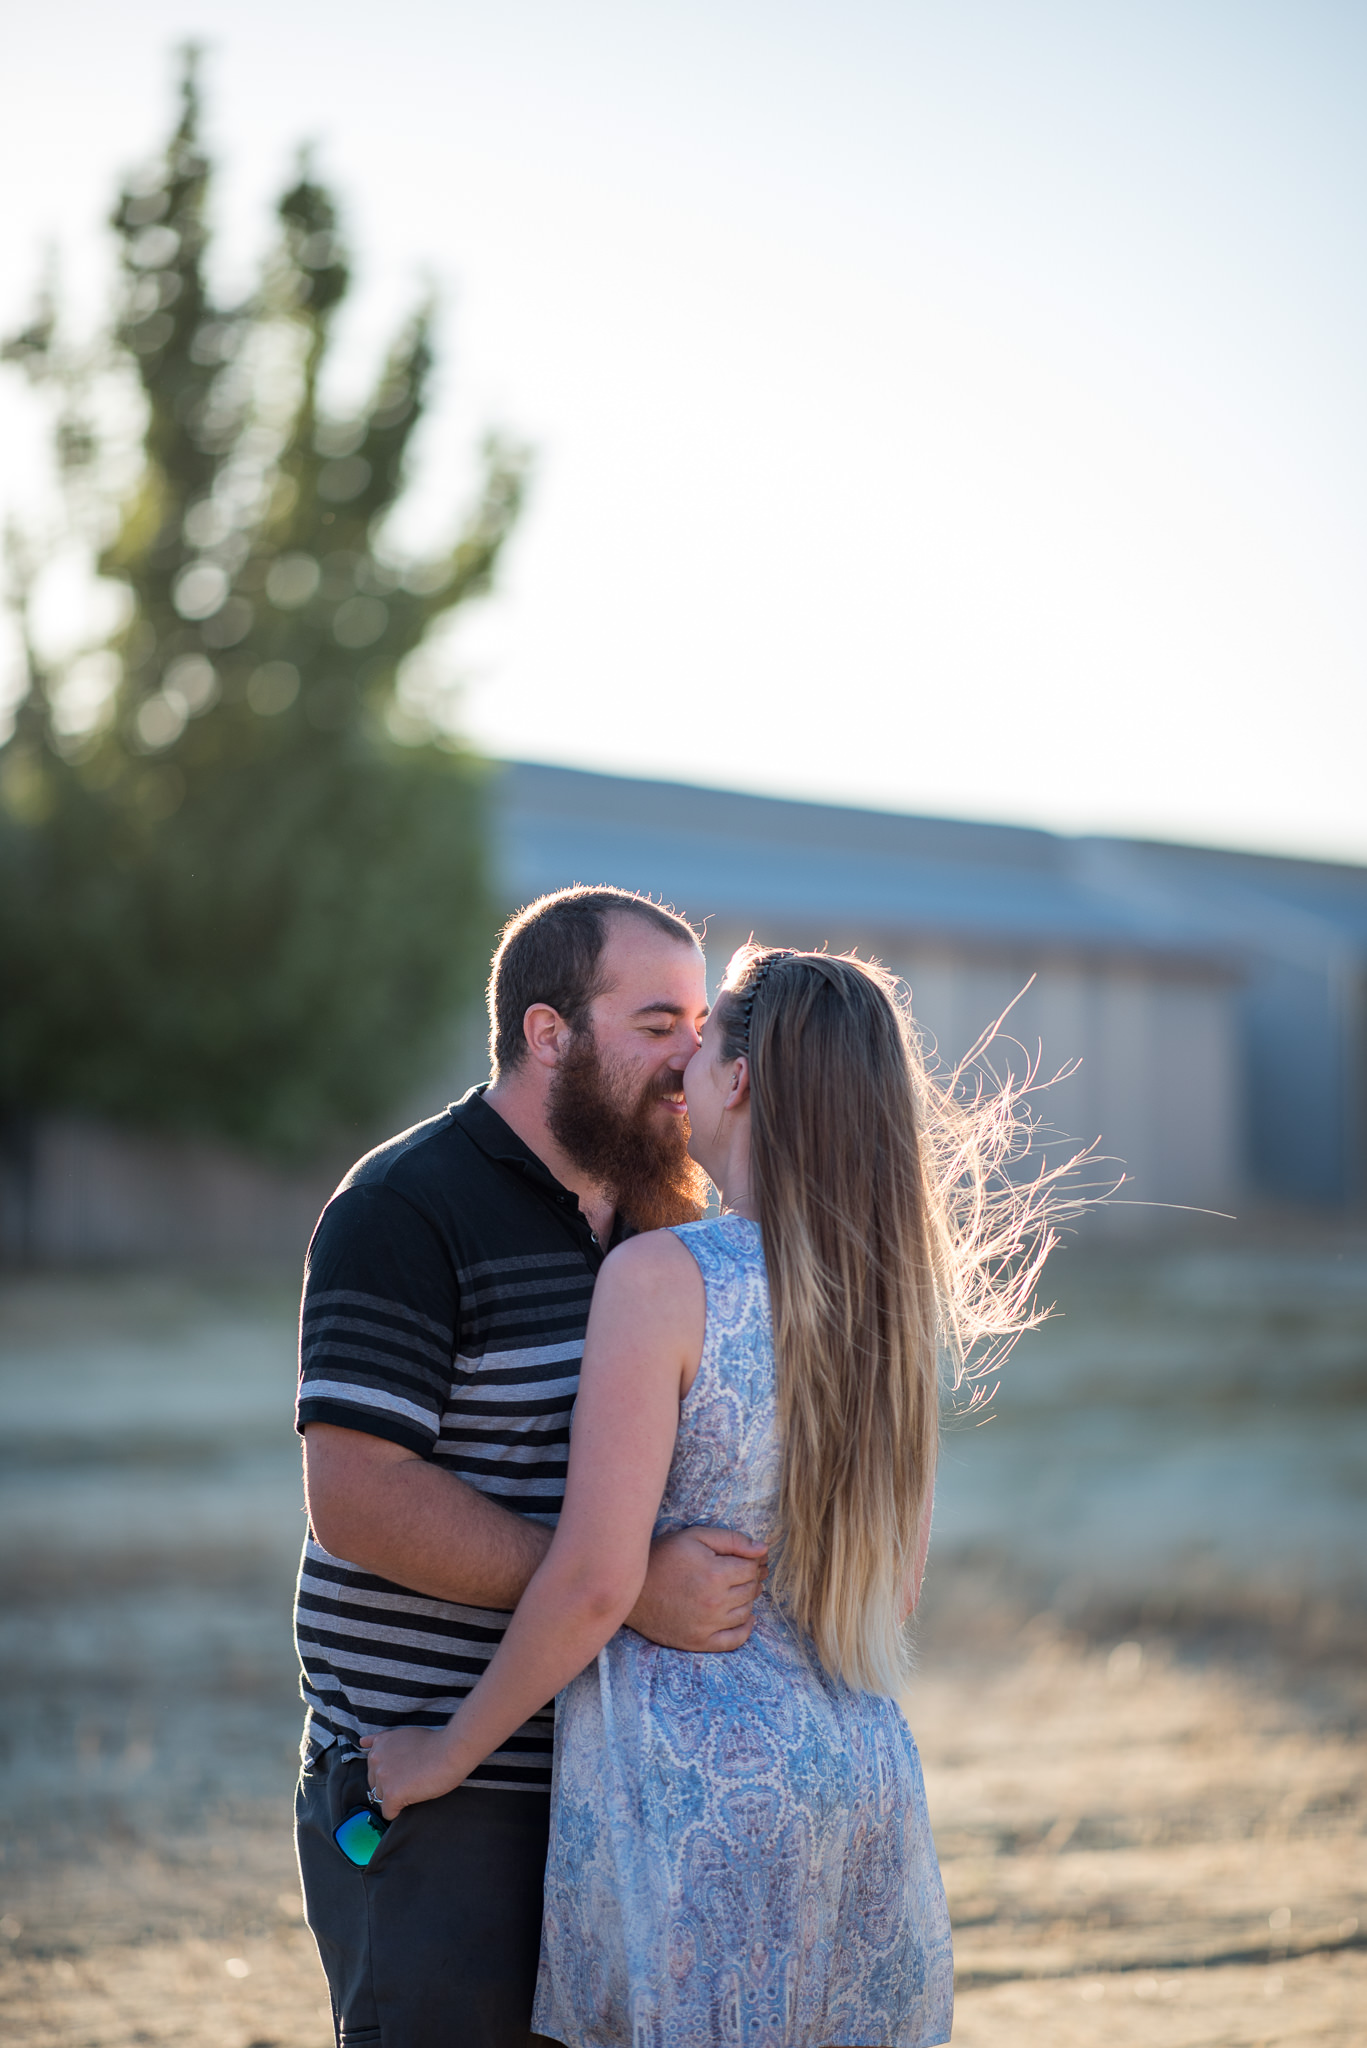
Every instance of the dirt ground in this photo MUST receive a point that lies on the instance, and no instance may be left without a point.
(1136, 1849)
(1146, 1772)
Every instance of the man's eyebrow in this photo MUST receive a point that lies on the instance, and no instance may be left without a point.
(663, 1009)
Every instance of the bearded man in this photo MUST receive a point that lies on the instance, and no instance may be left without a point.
(445, 1302)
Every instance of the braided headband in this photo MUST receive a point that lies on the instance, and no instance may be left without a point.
(780, 953)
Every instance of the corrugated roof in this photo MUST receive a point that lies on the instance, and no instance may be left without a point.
(725, 854)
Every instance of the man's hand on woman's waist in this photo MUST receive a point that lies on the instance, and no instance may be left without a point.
(388, 1511)
(700, 1590)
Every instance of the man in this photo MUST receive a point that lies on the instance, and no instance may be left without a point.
(445, 1301)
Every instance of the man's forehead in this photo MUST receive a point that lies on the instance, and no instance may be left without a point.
(642, 962)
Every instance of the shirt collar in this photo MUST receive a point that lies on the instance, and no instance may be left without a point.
(498, 1140)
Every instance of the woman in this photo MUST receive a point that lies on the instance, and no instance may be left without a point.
(740, 1850)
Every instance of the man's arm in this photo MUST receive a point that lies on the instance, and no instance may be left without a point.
(390, 1512)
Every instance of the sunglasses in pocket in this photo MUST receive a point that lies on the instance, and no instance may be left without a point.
(360, 1834)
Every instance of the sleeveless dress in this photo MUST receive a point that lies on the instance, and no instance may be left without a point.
(740, 1851)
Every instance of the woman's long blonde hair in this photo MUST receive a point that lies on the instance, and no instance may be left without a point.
(900, 1241)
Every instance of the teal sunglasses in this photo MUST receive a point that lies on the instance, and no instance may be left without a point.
(360, 1835)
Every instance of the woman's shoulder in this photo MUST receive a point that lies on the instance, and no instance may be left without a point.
(650, 1277)
(645, 1264)
(658, 1257)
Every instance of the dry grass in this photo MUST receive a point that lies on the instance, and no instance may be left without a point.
(1149, 1792)
(1136, 1849)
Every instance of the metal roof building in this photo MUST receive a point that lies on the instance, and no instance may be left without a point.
(1216, 1002)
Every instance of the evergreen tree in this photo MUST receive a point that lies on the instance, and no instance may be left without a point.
(251, 899)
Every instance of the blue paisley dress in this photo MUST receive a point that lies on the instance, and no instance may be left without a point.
(740, 1851)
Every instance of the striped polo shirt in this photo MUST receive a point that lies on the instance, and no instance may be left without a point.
(446, 1296)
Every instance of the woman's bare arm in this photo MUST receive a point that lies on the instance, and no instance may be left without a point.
(405, 1519)
(644, 1341)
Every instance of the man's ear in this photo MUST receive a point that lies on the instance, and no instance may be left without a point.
(547, 1034)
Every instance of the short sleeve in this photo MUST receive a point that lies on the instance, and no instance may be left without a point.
(377, 1326)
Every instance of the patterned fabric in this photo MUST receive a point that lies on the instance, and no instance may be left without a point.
(740, 1850)
(445, 1302)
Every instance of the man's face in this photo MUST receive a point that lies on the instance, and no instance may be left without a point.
(617, 1103)
(648, 1022)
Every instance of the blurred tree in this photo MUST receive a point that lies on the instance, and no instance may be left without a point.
(248, 896)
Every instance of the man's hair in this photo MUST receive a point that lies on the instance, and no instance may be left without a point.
(552, 951)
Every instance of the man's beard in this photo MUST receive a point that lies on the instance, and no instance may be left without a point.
(617, 1141)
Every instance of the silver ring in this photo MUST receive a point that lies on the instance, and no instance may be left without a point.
(375, 1796)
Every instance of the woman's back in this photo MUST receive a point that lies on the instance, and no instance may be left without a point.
(740, 1850)
(725, 1468)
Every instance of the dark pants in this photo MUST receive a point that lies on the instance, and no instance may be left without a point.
(435, 1943)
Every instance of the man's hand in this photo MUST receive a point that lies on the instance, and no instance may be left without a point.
(700, 1590)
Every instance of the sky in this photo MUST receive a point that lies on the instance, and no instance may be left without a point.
(954, 408)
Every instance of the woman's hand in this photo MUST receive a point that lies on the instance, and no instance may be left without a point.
(408, 1765)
